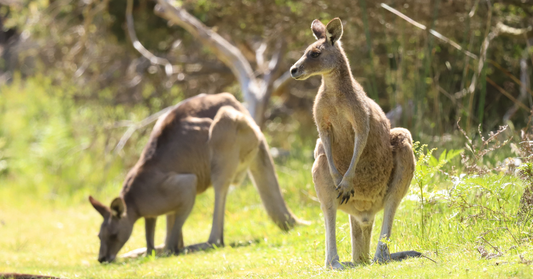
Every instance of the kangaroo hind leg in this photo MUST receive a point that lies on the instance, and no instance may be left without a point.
(402, 173)
(327, 195)
(230, 143)
(361, 235)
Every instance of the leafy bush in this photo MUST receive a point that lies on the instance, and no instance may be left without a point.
(479, 210)
(52, 146)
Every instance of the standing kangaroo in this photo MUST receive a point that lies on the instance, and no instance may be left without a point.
(207, 139)
(361, 165)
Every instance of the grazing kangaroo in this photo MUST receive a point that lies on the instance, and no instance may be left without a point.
(361, 165)
(204, 140)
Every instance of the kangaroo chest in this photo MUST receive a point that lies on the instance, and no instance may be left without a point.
(332, 116)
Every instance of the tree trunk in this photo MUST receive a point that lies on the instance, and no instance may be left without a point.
(256, 91)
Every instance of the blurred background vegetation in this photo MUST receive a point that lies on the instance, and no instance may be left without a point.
(71, 81)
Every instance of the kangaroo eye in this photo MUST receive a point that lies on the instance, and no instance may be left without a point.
(315, 54)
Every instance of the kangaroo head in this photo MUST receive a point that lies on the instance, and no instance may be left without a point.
(322, 56)
(114, 231)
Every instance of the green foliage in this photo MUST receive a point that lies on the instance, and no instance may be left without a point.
(480, 210)
(526, 171)
(428, 172)
(51, 147)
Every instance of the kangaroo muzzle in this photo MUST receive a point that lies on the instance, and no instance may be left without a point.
(294, 71)
(297, 72)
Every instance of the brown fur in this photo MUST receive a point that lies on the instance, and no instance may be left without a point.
(358, 158)
(203, 141)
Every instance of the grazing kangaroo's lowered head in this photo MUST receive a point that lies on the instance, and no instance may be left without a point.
(323, 56)
(115, 230)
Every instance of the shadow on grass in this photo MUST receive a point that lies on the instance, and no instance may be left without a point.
(160, 252)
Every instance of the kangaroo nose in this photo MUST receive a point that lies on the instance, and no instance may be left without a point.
(294, 70)
(101, 259)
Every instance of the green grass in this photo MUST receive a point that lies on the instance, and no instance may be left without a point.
(47, 226)
(59, 238)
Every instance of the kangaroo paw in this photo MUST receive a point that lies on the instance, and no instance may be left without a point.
(345, 192)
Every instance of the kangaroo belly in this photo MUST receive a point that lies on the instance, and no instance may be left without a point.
(371, 179)
(372, 172)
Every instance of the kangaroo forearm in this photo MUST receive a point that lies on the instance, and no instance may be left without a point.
(332, 169)
(326, 141)
(361, 130)
(359, 146)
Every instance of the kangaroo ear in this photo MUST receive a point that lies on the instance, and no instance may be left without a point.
(118, 207)
(102, 209)
(334, 30)
(319, 30)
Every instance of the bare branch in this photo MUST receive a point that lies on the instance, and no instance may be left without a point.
(431, 31)
(256, 91)
(139, 47)
(450, 96)
(225, 51)
(507, 94)
(141, 124)
(508, 30)
(273, 64)
(260, 55)
(522, 85)
(483, 52)
(499, 29)
(473, 10)
(267, 84)
(89, 12)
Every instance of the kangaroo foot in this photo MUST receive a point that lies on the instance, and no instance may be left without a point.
(134, 253)
(400, 256)
(382, 258)
(197, 247)
(382, 254)
(335, 265)
(348, 264)
(159, 250)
